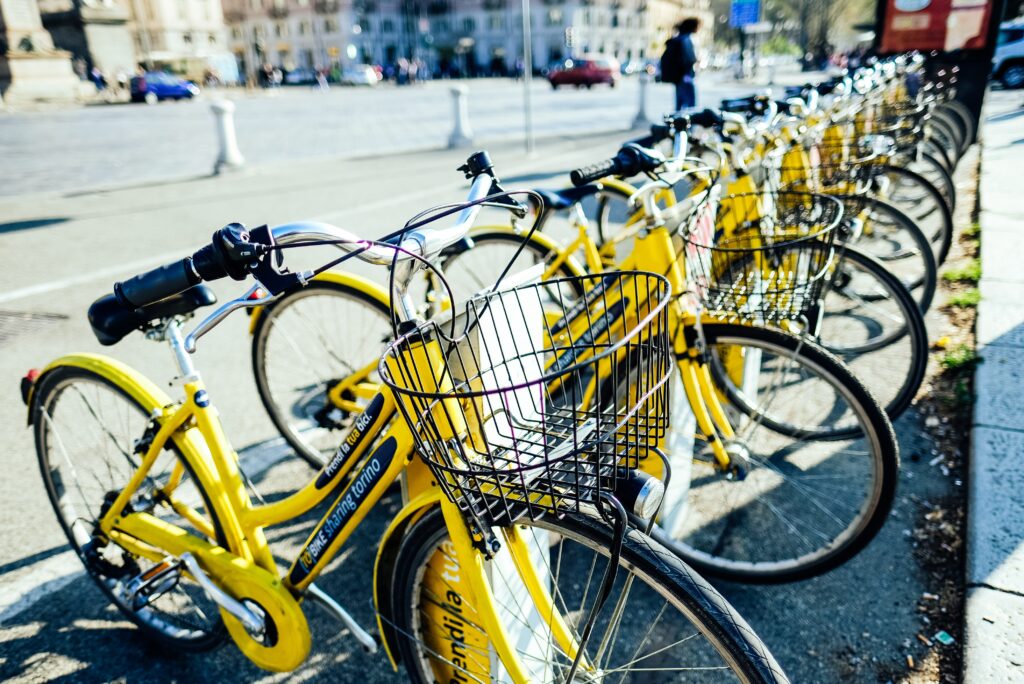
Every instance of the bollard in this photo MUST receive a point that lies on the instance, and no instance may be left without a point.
(641, 120)
(462, 134)
(229, 158)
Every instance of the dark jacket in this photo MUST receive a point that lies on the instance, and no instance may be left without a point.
(680, 53)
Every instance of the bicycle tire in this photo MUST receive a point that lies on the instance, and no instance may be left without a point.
(710, 556)
(652, 567)
(966, 118)
(46, 392)
(913, 329)
(280, 415)
(950, 129)
(932, 170)
(955, 124)
(931, 147)
(938, 131)
(942, 236)
(920, 276)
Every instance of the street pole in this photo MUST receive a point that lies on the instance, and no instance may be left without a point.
(527, 76)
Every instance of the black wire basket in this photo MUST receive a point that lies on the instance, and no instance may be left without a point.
(766, 256)
(535, 402)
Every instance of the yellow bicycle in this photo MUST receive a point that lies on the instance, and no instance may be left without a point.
(517, 556)
(755, 455)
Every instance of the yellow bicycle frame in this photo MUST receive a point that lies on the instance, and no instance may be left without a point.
(240, 561)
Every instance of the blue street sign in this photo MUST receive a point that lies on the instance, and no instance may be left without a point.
(744, 12)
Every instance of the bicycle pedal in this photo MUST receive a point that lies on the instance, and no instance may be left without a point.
(150, 585)
(367, 640)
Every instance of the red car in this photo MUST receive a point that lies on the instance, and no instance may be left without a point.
(585, 72)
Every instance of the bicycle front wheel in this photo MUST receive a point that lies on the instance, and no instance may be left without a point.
(919, 199)
(86, 430)
(313, 357)
(898, 242)
(661, 621)
(814, 463)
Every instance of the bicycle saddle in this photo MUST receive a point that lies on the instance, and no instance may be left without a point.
(111, 320)
(557, 200)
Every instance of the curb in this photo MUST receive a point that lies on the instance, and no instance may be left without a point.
(994, 611)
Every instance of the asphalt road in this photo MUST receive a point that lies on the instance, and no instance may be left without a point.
(65, 250)
(108, 145)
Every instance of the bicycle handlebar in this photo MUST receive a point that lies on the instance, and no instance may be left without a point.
(230, 253)
(235, 252)
(630, 160)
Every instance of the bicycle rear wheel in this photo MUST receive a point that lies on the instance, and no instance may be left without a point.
(661, 621)
(815, 463)
(85, 433)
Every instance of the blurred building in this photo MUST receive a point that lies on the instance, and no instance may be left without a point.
(458, 37)
(183, 36)
(96, 32)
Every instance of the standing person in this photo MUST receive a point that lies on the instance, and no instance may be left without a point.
(679, 63)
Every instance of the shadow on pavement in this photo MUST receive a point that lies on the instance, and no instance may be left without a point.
(14, 226)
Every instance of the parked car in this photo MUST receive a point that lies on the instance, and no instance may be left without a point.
(154, 86)
(585, 72)
(1008, 62)
(300, 77)
(360, 74)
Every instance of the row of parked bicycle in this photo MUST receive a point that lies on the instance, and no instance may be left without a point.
(687, 362)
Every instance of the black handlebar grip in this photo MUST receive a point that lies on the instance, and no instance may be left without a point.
(595, 172)
(157, 284)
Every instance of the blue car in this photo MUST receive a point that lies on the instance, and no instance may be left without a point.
(160, 85)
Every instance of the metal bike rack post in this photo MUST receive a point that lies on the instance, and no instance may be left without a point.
(641, 120)
(462, 134)
(229, 157)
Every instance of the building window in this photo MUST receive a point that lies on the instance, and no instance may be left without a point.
(186, 38)
(468, 25)
(303, 28)
(213, 39)
(236, 33)
(496, 22)
(330, 26)
(280, 30)
(387, 26)
(554, 17)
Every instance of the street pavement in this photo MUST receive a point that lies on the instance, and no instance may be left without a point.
(854, 624)
(107, 145)
(995, 543)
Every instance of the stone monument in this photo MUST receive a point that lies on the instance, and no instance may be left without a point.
(31, 69)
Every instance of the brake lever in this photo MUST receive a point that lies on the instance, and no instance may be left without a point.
(245, 301)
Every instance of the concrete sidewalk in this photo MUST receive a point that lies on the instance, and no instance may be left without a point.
(995, 544)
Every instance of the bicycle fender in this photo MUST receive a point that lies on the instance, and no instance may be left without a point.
(138, 386)
(356, 282)
(387, 550)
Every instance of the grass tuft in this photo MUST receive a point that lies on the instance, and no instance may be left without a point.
(970, 272)
(967, 299)
(959, 358)
(972, 230)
